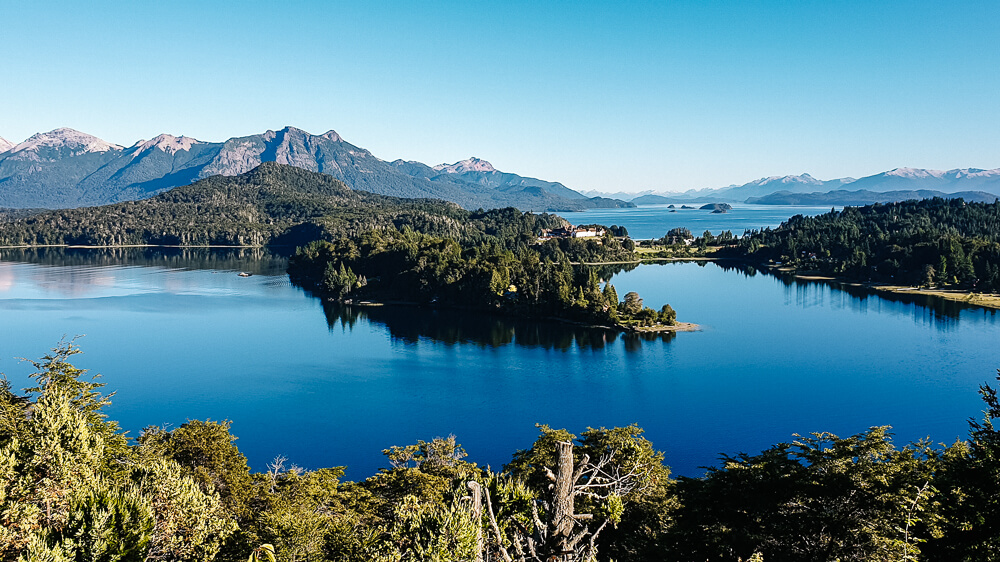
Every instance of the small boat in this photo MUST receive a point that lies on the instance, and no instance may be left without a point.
(244, 274)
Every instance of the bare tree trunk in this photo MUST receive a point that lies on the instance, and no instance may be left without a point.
(477, 512)
(563, 518)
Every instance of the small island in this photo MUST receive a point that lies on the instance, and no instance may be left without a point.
(717, 207)
(547, 279)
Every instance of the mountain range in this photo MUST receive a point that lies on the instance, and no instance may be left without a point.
(861, 197)
(65, 168)
(900, 182)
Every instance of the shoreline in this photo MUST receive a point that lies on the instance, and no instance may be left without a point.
(984, 300)
(677, 327)
(118, 246)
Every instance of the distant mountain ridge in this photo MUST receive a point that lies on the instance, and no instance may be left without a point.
(863, 197)
(67, 168)
(950, 182)
(803, 183)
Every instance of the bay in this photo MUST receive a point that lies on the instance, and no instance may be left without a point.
(180, 336)
(653, 221)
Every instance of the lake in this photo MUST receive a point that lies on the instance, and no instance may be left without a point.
(653, 221)
(178, 336)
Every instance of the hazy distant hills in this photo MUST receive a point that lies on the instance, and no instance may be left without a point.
(794, 184)
(951, 181)
(895, 185)
(865, 197)
(66, 168)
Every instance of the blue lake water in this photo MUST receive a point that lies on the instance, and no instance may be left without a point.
(186, 338)
(653, 221)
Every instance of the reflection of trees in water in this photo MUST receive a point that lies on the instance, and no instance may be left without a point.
(259, 261)
(746, 269)
(942, 311)
(609, 271)
(410, 324)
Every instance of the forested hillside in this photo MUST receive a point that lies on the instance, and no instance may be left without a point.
(74, 487)
(273, 204)
(935, 242)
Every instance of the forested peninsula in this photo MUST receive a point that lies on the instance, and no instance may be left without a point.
(359, 246)
(932, 243)
(75, 487)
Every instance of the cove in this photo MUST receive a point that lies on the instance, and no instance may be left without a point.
(180, 336)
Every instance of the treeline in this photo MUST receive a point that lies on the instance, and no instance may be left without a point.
(932, 242)
(73, 487)
(7, 214)
(271, 205)
(512, 274)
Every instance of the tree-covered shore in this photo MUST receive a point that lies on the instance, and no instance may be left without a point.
(73, 486)
(934, 243)
(512, 275)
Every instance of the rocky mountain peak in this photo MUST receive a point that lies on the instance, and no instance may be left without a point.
(5, 145)
(470, 165)
(169, 143)
(64, 138)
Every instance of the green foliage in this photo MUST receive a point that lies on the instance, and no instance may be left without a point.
(818, 498)
(206, 452)
(107, 523)
(442, 533)
(941, 242)
(969, 486)
(510, 274)
(190, 524)
(71, 489)
(53, 454)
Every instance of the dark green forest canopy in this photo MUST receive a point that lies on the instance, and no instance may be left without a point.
(936, 242)
(73, 487)
(273, 204)
(512, 274)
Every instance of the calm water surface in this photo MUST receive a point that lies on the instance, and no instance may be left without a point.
(333, 386)
(653, 221)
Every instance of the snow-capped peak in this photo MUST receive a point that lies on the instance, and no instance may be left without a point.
(804, 178)
(914, 173)
(79, 143)
(5, 145)
(973, 173)
(169, 143)
(471, 165)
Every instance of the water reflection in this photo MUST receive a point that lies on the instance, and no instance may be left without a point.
(925, 308)
(738, 267)
(259, 261)
(410, 325)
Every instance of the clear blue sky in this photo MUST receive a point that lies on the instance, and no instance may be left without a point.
(610, 96)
